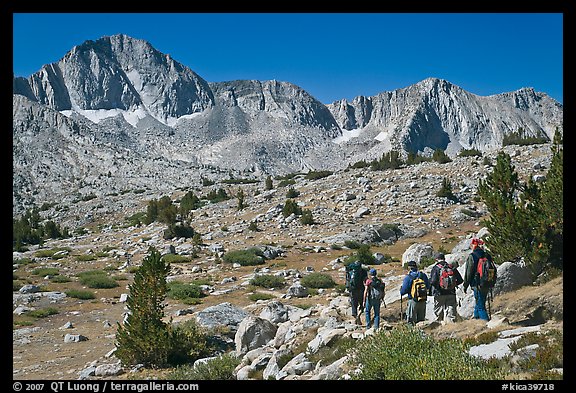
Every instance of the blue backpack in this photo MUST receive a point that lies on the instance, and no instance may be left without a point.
(376, 289)
(355, 276)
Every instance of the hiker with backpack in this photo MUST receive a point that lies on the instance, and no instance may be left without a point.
(444, 278)
(416, 286)
(373, 296)
(480, 274)
(355, 277)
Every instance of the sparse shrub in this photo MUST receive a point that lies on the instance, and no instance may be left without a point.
(318, 280)
(253, 226)
(292, 193)
(60, 279)
(549, 354)
(315, 175)
(219, 368)
(338, 347)
(249, 257)
(286, 182)
(80, 294)
(352, 244)
(81, 231)
(240, 181)
(97, 279)
(260, 296)
(178, 230)
(363, 255)
(136, 219)
(51, 253)
(470, 153)
(394, 228)
(175, 258)
(359, 164)
(183, 291)
(42, 312)
(23, 261)
(426, 261)
(268, 281)
(407, 353)
(45, 271)
(189, 342)
(482, 338)
(133, 269)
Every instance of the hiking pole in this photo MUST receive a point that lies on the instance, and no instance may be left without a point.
(400, 308)
(489, 295)
(489, 311)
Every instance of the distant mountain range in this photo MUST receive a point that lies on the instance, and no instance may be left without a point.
(116, 112)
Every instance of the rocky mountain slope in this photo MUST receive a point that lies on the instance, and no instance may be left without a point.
(437, 114)
(77, 341)
(115, 113)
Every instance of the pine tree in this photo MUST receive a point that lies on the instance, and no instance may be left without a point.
(440, 156)
(151, 212)
(269, 184)
(240, 196)
(290, 206)
(144, 337)
(167, 211)
(307, 218)
(552, 207)
(526, 220)
(446, 190)
(189, 202)
(506, 223)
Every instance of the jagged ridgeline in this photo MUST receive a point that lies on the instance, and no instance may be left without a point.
(116, 111)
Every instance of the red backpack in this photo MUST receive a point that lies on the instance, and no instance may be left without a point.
(447, 280)
(486, 272)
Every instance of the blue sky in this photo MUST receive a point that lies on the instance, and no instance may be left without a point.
(330, 55)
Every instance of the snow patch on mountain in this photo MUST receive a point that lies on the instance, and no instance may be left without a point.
(347, 135)
(96, 116)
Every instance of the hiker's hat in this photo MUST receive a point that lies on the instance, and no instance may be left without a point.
(373, 272)
(478, 242)
(440, 257)
(412, 264)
